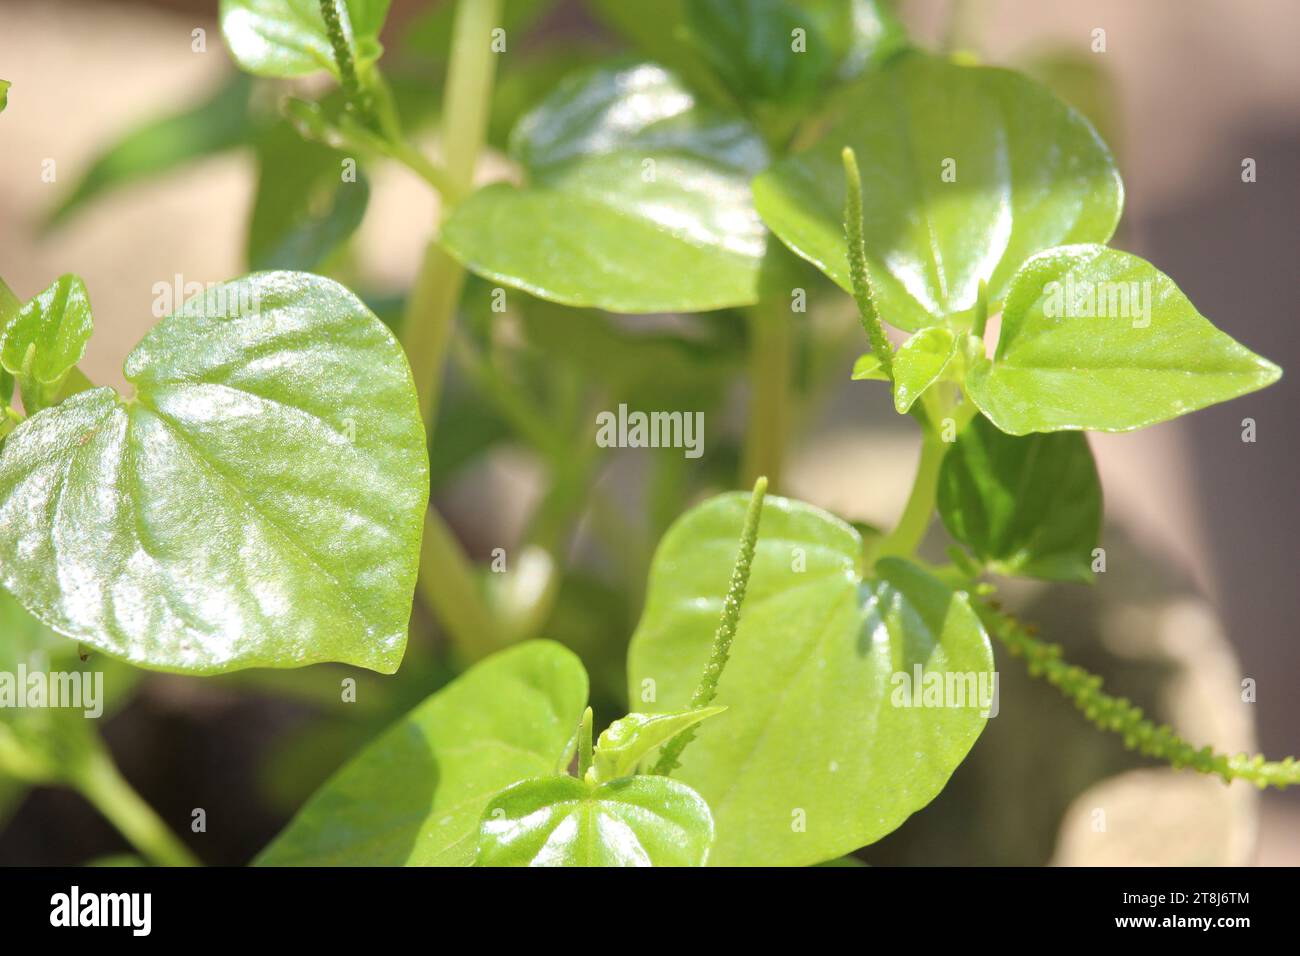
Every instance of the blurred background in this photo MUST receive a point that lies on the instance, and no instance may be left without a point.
(1201, 588)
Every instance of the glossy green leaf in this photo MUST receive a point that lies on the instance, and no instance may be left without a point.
(637, 200)
(50, 332)
(813, 758)
(749, 46)
(1026, 505)
(288, 37)
(563, 821)
(623, 744)
(414, 797)
(1094, 338)
(4, 94)
(1028, 173)
(218, 123)
(258, 502)
(920, 363)
(304, 208)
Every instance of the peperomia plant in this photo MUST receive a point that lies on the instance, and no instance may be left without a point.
(258, 501)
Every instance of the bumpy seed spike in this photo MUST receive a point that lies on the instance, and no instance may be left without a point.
(726, 632)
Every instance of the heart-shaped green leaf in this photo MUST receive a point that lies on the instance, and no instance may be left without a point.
(259, 502)
(817, 753)
(414, 797)
(1025, 505)
(637, 200)
(563, 821)
(624, 742)
(967, 172)
(289, 38)
(920, 363)
(47, 338)
(1094, 338)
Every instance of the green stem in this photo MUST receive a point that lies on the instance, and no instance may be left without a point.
(1120, 716)
(448, 587)
(101, 783)
(707, 689)
(769, 382)
(431, 308)
(431, 311)
(857, 250)
(917, 513)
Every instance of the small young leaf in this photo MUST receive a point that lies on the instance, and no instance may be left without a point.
(563, 821)
(820, 755)
(258, 503)
(1029, 505)
(46, 339)
(414, 797)
(638, 200)
(288, 37)
(1094, 338)
(995, 169)
(867, 368)
(10, 306)
(624, 742)
(4, 94)
(920, 363)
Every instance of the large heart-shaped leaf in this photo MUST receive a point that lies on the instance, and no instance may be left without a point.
(967, 171)
(414, 797)
(816, 754)
(258, 502)
(637, 200)
(1026, 505)
(563, 821)
(289, 38)
(1095, 338)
